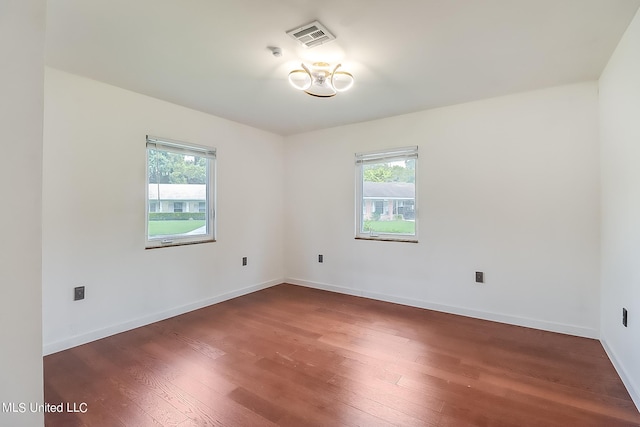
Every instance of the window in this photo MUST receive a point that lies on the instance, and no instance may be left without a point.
(386, 195)
(179, 173)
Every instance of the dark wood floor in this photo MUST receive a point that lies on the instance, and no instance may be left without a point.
(293, 356)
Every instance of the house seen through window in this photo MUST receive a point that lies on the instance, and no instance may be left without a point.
(386, 192)
(180, 193)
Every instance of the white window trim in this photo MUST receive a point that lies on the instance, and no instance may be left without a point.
(380, 156)
(193, 150)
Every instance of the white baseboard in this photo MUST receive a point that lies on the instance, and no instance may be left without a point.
(632, 388)
(97, 334)
(478, 314)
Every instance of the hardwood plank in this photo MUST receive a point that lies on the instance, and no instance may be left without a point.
(78, 383)
(133, 403)
(293, 356)
(301, 401)
(191, 397)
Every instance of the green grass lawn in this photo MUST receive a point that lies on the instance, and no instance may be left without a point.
(162, 228)
(402, 227)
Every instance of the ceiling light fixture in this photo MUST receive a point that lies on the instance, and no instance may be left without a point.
(321, 80)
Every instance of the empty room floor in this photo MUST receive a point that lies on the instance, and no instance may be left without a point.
(294, 356)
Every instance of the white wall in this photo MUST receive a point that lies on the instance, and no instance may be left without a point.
(508, 186)
(620, 140)
(94, 212)
(22, 26)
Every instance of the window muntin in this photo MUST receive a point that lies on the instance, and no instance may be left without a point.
(178, 175)
(386, 194)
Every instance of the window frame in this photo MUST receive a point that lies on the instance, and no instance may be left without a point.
(383, 156)
(188, 149)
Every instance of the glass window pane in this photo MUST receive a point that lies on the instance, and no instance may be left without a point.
(387, 189)
(179, 185)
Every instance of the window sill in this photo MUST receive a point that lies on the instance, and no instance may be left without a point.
(171, 245)
(387, 239)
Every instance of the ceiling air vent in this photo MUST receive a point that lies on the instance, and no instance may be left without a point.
(311, 35)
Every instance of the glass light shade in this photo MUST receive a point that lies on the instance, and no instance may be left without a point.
(341, 80)
(300, 79)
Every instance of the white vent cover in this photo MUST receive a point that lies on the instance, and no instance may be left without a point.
(312, 34)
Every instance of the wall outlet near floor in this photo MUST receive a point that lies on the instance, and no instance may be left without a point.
(320, 258)
(78, 293)
(479, 277)
(244, 260)
(624, 317)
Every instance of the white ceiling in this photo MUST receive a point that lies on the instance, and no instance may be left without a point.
(406, 55)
